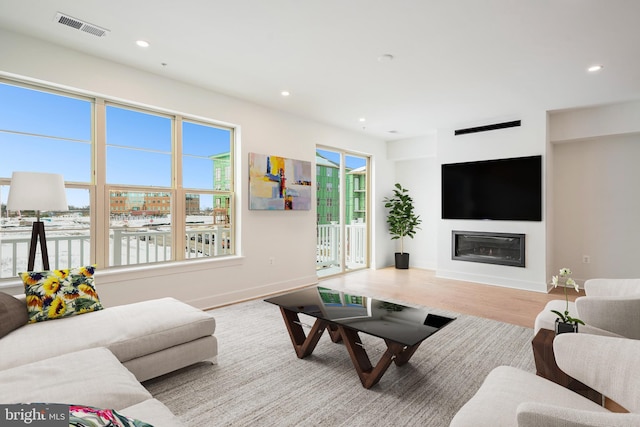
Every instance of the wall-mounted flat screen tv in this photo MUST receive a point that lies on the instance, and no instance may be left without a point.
(501, 189)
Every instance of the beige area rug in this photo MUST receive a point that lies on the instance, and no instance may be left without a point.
(259, 381)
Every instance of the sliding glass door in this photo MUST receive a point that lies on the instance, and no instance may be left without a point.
(342, 212)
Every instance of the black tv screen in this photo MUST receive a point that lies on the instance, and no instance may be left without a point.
(502, 189)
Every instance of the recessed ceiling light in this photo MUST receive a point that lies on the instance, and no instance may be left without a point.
(385, 58)
(285, 93)
(362, 119)
(142, 43)
(595, 68)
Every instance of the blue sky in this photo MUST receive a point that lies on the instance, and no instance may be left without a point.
(352, 162)
(52, 133)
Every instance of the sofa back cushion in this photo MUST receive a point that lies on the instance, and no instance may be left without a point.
(13, 313)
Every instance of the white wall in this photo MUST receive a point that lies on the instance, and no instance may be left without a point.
(596, 193)
(287, 236)
(592, 122)
(431, 247)
(418, 171)
(591, 205)
(527, 140)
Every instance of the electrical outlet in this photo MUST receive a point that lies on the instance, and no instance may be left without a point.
(586, 259)
(272, 260)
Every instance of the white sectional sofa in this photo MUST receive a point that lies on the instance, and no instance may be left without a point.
(99, 358)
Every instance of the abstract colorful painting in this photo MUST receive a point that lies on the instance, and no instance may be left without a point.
(278, 183)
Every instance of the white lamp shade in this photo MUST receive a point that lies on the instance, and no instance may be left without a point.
(36, 191)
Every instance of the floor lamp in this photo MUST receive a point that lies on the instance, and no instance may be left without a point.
(39, 192)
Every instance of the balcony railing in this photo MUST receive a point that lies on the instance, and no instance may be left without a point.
(71, 248)
(328, 245)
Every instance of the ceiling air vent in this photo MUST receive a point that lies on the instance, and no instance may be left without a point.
(488, 127)
(69, 21)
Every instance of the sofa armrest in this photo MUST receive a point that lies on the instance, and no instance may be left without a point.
(608, 365)
(620, 315)
(532, 414)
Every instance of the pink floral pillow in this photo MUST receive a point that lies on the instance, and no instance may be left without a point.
(87, 416)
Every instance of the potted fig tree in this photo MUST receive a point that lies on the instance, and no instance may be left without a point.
(402, 221)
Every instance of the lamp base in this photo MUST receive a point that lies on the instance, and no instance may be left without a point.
(37, 232)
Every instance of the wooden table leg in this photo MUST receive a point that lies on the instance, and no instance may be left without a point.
(302, 343)
(369, 374)
(334, 333)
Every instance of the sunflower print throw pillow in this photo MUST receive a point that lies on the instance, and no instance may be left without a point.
(60, 293)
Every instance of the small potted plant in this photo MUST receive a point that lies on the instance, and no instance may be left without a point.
(402, 221)
(564, 322)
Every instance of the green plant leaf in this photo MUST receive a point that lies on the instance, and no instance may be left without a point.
(560, 315)
(401, 219)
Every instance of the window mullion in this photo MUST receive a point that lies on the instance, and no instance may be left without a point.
(179, 196)
(100, 202)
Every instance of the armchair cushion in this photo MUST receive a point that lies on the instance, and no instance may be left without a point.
(546, 319)
(612, 287)
(612, 313)
(497, 401)
(606, 364)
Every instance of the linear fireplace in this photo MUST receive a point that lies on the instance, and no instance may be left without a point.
(489, 248)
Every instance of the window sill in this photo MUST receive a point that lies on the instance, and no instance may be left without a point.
(118, 274)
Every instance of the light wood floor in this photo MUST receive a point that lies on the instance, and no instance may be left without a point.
(424, 288)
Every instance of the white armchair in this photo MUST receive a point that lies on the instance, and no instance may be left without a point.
(611, 307)
(512, 397)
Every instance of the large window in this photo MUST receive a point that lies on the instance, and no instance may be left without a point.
(161, 184)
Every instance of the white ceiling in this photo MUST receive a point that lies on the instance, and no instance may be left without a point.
(457, 63)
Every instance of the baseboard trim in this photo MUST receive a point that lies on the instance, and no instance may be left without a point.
(493, 281)
(262, 291)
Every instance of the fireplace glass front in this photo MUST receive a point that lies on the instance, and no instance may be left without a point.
(489, 248)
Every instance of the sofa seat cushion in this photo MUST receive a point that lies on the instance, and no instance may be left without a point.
(505, 388)
(91, 377)
(153, 412)
(129, 331)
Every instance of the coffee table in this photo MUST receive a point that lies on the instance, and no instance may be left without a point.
(345, 315)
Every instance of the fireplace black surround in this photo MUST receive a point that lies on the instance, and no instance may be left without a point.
(488, 247)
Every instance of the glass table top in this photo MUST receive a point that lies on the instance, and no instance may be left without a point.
(399, 323)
